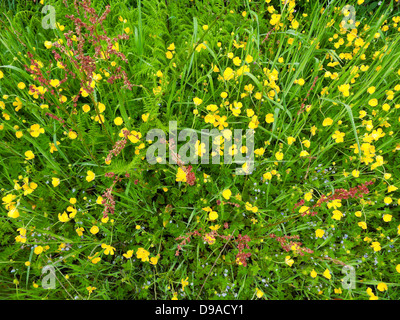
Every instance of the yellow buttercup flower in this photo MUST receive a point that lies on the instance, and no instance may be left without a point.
(53, 147)
(94, 229)
(337, 215)
(86, 108)
(304, 153)
(72, 135)
(90, 176)
(29, 155)
(373, 102)
(355, 173)
(338, 136)
(118, 121)
(63, 217)
(387, 217)
(327, 274)
(382, 286)
(90, 289)
(128, 254)
(249, 59)
(228, 74)
(169, 55)
(388, 200)
(267, 176)
(290, 140)
(145, 117)
(184, 283)
(95, 260)
(38, 250)
(154, 260)
(250, 207)
(259, 293)
(227, 194)
(200, 47)
(319, 233)
(79, 231)
(35, 130)
(289, 261)
(108, 249)
(303, 209)
(55, 83)
(237, 61)
(180, 175)
(327, 122)
(363, 225)
(376, 246)
(13, 213)
(213, 215)
(279, 156)
(295, 24)
(197, 101)
(269, 118)
(55, 182)
(313, 273)
(143, 254)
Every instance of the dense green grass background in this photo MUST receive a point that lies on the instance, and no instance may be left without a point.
(152, 208)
